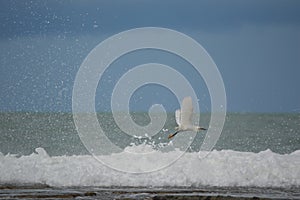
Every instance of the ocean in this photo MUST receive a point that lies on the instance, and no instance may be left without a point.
(257, 154)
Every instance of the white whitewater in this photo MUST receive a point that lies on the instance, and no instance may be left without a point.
(220, 168)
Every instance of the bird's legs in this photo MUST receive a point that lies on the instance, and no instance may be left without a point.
(201, 128)
(196, 128)
(172, 135)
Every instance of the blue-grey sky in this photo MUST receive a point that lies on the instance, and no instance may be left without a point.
(255, 44)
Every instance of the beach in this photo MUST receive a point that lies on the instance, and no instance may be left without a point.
(122, 193)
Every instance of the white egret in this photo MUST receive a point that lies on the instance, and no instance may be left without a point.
(184, 118)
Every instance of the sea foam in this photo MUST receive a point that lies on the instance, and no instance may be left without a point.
(219, 168)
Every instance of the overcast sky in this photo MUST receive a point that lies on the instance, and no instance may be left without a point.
(255, 44)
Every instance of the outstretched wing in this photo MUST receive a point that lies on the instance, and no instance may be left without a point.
(186, 111)
(177, 117)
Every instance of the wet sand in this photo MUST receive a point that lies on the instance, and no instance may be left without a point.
(217, 193)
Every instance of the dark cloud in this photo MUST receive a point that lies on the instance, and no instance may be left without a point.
(87, 17)
(254, 43)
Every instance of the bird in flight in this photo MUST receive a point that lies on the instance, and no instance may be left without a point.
(183, 118)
